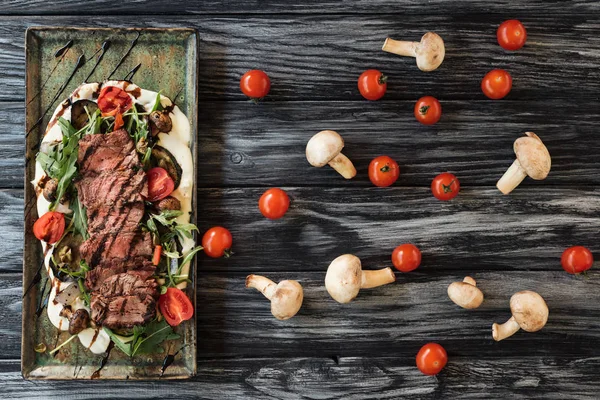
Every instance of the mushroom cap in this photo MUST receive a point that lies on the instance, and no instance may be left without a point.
(465, 295)
(533, 156)
(529, 310)
(287, 300)
(430, 52)
(323, 147)
(344, 278)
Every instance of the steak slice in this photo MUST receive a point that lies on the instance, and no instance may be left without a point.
(110, 219)
(121, 245)
(111, 152)
(140, 266)
(126, 284)
(112, 188)
(123, 312)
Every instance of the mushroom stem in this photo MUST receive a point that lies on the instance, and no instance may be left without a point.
(380, 277)
(511, 178)
(400, 47)
(262, 284)
(470, 281)
(343, 166)
(505, 330)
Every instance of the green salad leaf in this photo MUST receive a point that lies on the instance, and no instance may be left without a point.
(145, 339)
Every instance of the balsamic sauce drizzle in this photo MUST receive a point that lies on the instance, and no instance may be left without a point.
(130, 74)
(104, 48)
(133, 43)
(43, 302)
(80, 63)
(36, 279)
(168, 360)
(96, 373)
(62, 53)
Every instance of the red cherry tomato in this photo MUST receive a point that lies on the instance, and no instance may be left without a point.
(511, 35)
(383, 171)
(496, 84)
(406, 257)
(428, 110)
(160, 184)
(49, 227)
(372, 84)
(113, 100)
(217, 242)
(175, 306)
(255, 84)
(274, 203)
(445, 186)
(431, 359)
(577, 259)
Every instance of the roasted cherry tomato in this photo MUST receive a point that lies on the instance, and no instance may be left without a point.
(217, 242)
(577, 259)
(49, 227)
(113, 100)
(496, 84)
(372, 84)
(160, 184)
(406, 257)
(383, 171)
(175, 306)
(431, 359)
(428, 110)
(511, 35)
(445, 186)
(274, 203)
(255, 84)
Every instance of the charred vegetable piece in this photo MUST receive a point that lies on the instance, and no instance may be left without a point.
(163, 158)
(168, 203)
(49, 190)
(161, 120)
(79, 118)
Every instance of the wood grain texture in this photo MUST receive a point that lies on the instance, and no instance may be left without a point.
(320, 57)
(480, 230)
(349, 378)
(394, 320)
(245, 145)
(433, 7)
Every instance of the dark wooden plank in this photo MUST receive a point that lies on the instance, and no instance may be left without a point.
(481, 229)
(245, 145)
(392, 320)
(321, 57)
(406, 7)
(350, 378)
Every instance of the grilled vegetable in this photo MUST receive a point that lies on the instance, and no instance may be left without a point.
(163, 158)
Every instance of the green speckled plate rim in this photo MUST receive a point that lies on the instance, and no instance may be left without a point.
(169, 58)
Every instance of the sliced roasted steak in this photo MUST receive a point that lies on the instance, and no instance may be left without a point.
(126, 284)
(142, 267)
(123, 312)
(107, 220)
(121, 245)
(111, 152)
(112, 188)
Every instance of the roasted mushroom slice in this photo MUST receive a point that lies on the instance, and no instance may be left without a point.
(161, 120)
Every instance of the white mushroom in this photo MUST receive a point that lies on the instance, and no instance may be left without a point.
(529, 312)
(345, 278)
(533, 160)
(465, 294)
(429, 52)
(325, 148)
(286, 296)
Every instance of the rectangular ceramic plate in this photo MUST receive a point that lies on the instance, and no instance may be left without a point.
(168, 62)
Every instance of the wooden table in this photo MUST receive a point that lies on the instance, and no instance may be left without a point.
(314, 51)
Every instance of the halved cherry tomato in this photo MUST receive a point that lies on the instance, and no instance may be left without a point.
(119, 123)
(175, 306)
(255, 84)
(383, 171)
(511, 34)
(406, 257)
(372, 84)
(156, 255)
(428, 110)
(160, 184)
(496, 84)
(431, 359)
(274, 203)
(49, 227)
(445, 186)
(577, 259)
(113, 100)
(217, 242)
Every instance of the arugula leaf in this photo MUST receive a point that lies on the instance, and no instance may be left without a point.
(79, 218)
(147, 339)
(157, 104)
(121, 345)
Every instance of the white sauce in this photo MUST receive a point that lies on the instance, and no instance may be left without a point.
(177, 141)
